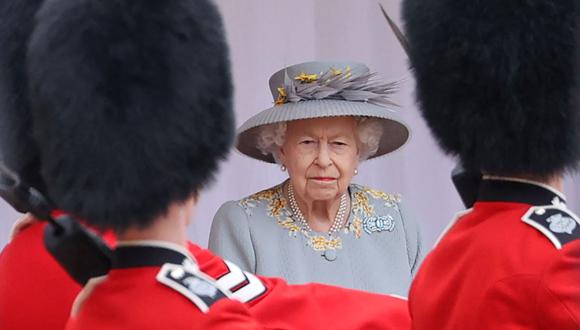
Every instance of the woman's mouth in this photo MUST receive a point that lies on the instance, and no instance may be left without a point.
(323, 178)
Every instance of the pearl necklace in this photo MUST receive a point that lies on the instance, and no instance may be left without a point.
(338, 219)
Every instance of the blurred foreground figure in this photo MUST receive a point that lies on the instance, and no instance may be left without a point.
(131, 106)
(120, 112)
(498, 84)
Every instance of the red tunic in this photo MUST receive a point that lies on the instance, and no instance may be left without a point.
(503, 265)
(35, 293)
(133, 296)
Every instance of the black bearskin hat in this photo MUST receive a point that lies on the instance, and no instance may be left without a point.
(18, 150)
(498, 81)
(131, 104)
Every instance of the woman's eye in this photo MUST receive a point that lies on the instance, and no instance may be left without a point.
(338, 143)
(307, 142)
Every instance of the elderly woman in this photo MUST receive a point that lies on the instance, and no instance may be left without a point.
(318, 226)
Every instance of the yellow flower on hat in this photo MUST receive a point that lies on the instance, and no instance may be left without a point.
(306, 78)
(348, 72)
(336, 72)
(281, 96)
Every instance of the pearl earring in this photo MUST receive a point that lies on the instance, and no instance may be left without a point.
(283, 168)
(355, 171)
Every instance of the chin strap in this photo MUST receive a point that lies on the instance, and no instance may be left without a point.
(81, 253)
(466, 183)
(24, 199)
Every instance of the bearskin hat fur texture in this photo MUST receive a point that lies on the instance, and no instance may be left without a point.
(131, 104)
(498, 81)
(18, 151)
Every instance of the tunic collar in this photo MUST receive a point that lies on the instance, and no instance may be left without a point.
(518, 191)
(132, 254)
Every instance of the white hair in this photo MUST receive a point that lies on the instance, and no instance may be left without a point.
(270, 138)
(369, 131)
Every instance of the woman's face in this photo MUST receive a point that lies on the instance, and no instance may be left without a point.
(321, 156)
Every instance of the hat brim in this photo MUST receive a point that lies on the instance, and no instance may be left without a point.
(395, 132)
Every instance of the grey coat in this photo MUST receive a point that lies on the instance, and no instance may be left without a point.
(379, 252)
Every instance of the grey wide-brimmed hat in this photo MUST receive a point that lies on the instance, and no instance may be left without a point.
(326, 89)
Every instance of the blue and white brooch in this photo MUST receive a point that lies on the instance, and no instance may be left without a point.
(378, 224)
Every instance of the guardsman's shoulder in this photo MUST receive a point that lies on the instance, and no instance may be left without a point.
(199, 288)
(556, 222)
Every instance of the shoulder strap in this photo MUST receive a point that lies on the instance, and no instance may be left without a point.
(202, 290)
(557, 223)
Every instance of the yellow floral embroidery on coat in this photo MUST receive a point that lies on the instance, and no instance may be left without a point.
(388, 198)
(290, 225)
(360, 203)
(264, 195)
(357, 227)
(276, 206)
(323, 243)
(361, 207)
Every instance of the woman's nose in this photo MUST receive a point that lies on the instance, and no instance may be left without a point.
(323, 159)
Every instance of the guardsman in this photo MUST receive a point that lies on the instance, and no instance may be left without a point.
(139, 80)
(498, 84)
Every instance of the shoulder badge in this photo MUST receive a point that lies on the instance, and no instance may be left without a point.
(556, 222)
(202, 290)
